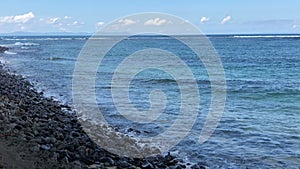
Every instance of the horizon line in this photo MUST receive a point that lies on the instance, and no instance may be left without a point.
(91, 34)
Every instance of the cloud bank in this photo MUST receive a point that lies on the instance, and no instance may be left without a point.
(126, 22)
(17, 18)
(156, 22)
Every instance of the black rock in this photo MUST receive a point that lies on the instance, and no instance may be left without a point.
(65, 160)
(74, 134)
(76, 164)
(107, 161)
(196, 166)
(3, 49)
(147, 165)
(168, 158)
(180, 166)
(123, 164)
(18, 127)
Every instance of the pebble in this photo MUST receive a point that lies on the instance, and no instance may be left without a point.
(54, 136)
(45, 147)
(107, 161)
(147, 165)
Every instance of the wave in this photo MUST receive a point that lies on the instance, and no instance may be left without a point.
(10, 53)
(24, 47)
(185, 81)
(267, 36)
(160, 80)
(15, 39)
(26, 44)
(53, 58)
(85, 38)
(5, 45)
(41, 39)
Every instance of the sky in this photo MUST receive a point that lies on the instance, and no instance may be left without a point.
(210, 16)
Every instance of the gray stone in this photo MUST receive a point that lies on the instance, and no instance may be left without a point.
(45, 147)
(147, 165)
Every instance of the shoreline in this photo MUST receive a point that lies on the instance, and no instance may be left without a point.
(35, 132)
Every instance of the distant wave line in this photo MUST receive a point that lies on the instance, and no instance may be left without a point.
(267, 36)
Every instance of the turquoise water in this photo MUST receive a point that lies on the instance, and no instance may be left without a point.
(260, 127)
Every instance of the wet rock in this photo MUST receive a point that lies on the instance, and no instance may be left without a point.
(180, 166)
(147, 165)
(123, 164)
(76, 165)
(168, 157)
(107, 161)
(3, 49)
(196, 166)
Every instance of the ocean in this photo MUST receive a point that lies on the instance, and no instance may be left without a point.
(260, 126)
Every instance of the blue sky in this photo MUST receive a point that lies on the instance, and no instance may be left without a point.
(214, 16)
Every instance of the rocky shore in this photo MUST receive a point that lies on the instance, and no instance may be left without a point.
(38, 132)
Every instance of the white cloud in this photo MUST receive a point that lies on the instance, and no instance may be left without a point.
(23, 18)
(75, 23)
(226, 19)
(99, 24)
(60, 22)
(126, 21)
(204, 19)
(156, 22)
(67, 17)
(17, 18)
(53, 20)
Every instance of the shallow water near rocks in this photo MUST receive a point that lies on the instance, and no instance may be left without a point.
(260, 127)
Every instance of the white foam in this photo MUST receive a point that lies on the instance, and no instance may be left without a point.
(23, 47)
(99, 38)
(5, 45)
(10, 53)
(14, 39)
(47, 38)
(267, 36)
(2, 61)
(25, 44)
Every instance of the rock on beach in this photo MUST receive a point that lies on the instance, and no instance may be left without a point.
(36, 132)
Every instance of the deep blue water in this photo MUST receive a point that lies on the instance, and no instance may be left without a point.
(260, 127)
